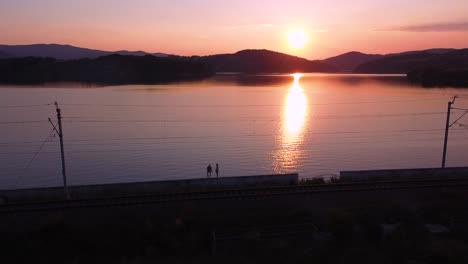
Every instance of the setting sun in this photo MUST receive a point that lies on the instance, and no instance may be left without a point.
(297, 39)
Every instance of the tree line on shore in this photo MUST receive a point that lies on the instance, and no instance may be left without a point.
(437, 67)
(111, 69)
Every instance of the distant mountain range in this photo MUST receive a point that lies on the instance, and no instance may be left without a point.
(62, 52)
(266, 61)
(250, 60)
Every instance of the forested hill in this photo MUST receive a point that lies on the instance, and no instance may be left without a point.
(264, 61)
(347, 62)
(118, 69)
(434, 67)
(112, 69)
(407, 62)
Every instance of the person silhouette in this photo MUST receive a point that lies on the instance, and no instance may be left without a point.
(217, 170)
(208, 170)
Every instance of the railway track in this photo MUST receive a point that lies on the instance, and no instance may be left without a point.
(244, 193)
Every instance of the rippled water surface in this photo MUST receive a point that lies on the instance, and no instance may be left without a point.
(311, 124)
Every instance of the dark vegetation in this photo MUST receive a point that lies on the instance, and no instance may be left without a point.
(120, 69)
(320, 180)
(112, 69)
(360, 227)
(4, 55)
(405, 63)
(432, 77)
(428, 68)
(246, 61)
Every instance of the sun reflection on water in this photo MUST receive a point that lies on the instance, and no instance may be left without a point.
(295, 109)
(286, 157)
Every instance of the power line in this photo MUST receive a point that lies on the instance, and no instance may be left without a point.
(247, 105)
(351, 144)
(249, 135)
(219, 141)
(36, 153)
(24, 106)
(246, 119)
(458, 119)
(409, 131)
(22, 122)
(46, 140)
(381, 115)
(212, 139)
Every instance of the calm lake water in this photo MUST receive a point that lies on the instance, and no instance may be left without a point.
(312, 124)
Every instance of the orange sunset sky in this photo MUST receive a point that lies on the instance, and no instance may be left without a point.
(201, 27)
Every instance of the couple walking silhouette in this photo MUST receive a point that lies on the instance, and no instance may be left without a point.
(209, 170)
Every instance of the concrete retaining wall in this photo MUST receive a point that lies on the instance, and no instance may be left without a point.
(403, 174)
(127, 189)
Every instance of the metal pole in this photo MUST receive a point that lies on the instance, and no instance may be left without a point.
(447, 126)
(62, 152)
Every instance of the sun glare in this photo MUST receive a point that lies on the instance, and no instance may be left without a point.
(297, 39)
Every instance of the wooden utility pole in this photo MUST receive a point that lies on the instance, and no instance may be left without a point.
(62, 151)
(447, 126)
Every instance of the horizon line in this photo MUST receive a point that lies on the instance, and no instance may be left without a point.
(211, 54)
